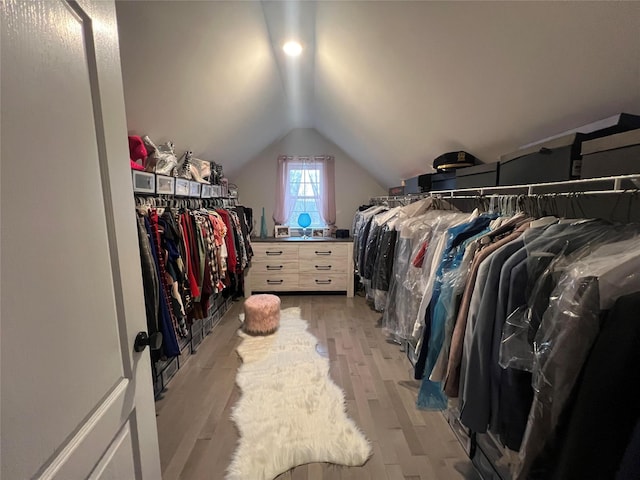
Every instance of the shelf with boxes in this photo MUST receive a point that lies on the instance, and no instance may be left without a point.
(608, 147)
(152, 183)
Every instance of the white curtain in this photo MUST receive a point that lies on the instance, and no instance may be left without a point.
(323, 185)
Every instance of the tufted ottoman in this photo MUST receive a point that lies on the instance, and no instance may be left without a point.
(261, 314)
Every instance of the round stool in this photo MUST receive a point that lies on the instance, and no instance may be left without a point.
(261, 314)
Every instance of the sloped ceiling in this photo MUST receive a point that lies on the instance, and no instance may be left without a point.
(394, 84)
(202, 75)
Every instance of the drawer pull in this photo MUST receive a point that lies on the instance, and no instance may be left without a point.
(275, 282)
(274, 267)
(323, 282)
(274, 252)
(328, 252)
(323, 267)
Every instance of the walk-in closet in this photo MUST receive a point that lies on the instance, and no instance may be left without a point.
(390, 240)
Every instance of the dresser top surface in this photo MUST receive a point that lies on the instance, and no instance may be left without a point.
(299, 240)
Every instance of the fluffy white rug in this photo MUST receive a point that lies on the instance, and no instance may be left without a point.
(290, 412)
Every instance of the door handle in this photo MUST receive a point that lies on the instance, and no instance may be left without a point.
(274, 267)
(323, 267)
(275, 252)
(328, 252)
(323, 282)
(275, 282)
(143, 339)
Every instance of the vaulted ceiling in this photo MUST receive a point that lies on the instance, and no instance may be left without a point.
(394, 84)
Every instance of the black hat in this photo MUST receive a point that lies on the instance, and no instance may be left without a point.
(452, 160)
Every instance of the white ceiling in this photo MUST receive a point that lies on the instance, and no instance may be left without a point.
(394, 84)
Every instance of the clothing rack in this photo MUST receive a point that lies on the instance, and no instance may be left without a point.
(165, 201)
(602, 185)
(164, 370)
(611, 198)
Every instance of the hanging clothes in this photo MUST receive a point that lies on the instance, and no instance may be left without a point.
(508, 312)
(184, 260)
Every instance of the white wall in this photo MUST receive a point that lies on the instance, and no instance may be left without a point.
(257, 179)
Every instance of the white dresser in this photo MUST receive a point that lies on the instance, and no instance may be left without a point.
(297, 265)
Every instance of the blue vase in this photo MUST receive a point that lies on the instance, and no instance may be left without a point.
(304, 220)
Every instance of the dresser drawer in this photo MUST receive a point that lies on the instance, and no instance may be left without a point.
(323, 265)
(268, 251)
(323, 281)
(277, 264)
(271, 282)
(332, 251)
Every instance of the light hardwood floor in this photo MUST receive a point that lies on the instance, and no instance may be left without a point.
(197, 437)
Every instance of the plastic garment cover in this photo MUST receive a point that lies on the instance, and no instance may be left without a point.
(372, 250)
(442, 305)
(369, 257)
(431, 395)
(387, 242)
(567, 332)
(359, 220)
(162, 158)
(404, 295)
(433, 247)
(547, 257)
(431, 263)
(384, 264)
(454, 283)
(358, 223)
(361, 234)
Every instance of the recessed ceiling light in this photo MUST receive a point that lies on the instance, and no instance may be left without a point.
(293, 49)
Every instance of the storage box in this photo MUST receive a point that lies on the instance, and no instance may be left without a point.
(478, 176)
(207, 325)
(424, 181)
(169, 371)
(559, 159)
(613, 155)
(551, 161)
(489, 457)
(196, 335)
(419, 184)
(443, 181)
(411, 185)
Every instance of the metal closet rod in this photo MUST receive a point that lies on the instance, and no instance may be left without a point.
(160, 200)
(527, 189)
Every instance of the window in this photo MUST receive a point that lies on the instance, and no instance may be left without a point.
(305, 184)
(303, 193)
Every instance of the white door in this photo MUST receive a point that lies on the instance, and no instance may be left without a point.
(76, 400)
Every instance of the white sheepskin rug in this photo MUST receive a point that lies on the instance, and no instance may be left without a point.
(290, 412)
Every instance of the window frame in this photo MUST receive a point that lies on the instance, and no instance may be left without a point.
(314, 201)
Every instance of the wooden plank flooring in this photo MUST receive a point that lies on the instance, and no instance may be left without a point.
(197, 438)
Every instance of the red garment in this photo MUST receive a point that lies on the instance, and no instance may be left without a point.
(185, 221)
(419, 260)
(232, 258)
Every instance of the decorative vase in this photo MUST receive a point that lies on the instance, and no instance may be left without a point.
(263, 226)
(304, 220)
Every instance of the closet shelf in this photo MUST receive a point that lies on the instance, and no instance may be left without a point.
(603, 185)
(151, 183)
